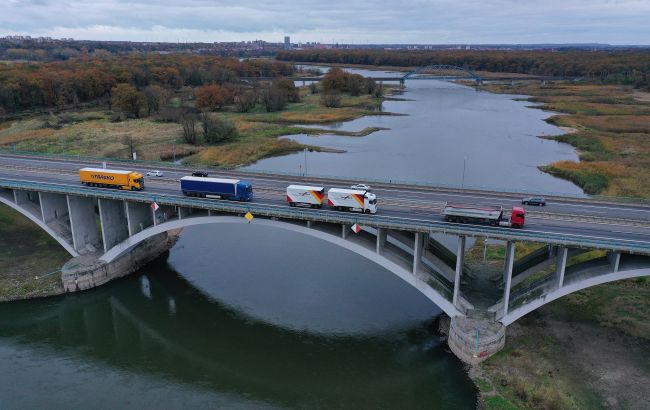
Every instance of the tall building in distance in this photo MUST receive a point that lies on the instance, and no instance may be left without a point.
(287, 43)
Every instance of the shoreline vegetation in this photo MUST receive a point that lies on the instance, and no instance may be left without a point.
(608, 125)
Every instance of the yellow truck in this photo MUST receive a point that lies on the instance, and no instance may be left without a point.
(112, 178)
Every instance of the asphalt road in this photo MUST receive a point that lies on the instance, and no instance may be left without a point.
(569, 216)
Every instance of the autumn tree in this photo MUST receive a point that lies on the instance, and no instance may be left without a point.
(128, 99)
(289, 87)
(212, 97)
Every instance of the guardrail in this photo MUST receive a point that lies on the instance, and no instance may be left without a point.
(482, 189)
(377, 221)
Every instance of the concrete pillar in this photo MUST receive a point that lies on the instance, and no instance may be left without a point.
(382, 234)
(560, 266)
(209, 212)
(309, 224)
(614, 259)
(113, 222)
(417, 251)
(507, 275)
(344, 231)
(138, 216)
(460, 258)
(83, 222)
(53, 206)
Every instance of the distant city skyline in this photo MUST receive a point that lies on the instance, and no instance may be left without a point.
(616, 22)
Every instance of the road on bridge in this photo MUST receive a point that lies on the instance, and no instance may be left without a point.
(568, 216)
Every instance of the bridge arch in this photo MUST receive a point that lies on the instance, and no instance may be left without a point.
(567, 289)
(443, 68)
(377, 258)
(39, 221)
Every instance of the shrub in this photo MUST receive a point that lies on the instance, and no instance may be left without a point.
(217, 129)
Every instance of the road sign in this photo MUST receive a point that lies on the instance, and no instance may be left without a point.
(154, 206)
(356, 228)
(248, 216)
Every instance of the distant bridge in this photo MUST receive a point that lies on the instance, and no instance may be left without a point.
(445, 72)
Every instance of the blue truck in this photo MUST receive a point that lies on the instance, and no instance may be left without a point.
(233, 189)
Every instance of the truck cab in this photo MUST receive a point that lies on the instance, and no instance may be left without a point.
(517, 217)
(370, 202)
(244, 191)
(136, 180)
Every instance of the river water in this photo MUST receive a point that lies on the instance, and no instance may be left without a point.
(256, 318)
(448, 127)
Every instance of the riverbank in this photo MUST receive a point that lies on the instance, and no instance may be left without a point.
(609, 127)
(96, 133)
(589, 349)
(29, 259)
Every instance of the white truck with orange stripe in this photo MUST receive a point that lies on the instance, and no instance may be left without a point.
(313, 196)
(352, 200)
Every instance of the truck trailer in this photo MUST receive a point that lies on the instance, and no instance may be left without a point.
(111, 178)
(495, 216)
(312, 196)
(233, 189)
(352, 200)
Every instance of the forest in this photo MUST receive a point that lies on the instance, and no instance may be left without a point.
(64, 84)
(616, 66)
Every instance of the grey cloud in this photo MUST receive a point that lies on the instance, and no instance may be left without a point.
(415, 21)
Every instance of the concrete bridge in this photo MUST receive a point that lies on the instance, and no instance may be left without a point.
(111, 233)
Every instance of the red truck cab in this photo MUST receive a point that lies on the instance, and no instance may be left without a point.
(518, 217)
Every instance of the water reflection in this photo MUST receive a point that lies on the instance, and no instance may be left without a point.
(159, 335)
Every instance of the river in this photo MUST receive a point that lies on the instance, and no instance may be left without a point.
(448, 127)
(256, 318)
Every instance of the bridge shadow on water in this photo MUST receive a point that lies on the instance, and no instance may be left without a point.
(159, 324)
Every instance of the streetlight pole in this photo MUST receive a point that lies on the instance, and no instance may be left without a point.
(462, 185)
(305, 161)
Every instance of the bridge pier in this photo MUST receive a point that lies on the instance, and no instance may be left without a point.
(86, 271)
(138, 216)
(418, 247)
(85, 237)
(382, 235)
(560, 267)
(113, 222)
(507, 275)
(460, 258)
(54, 207)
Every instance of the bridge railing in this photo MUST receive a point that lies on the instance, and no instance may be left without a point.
(370, 180)
(282, 211)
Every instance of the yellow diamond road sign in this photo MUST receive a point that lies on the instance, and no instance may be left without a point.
(248, 216)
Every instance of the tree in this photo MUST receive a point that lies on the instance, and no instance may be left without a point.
(217, 129)
(330, 99)
(245, 100)
(128, 99)
(156, 97)
(212, 97)
(188, 121)
(289, 87)
(273, 98)
(130, 142)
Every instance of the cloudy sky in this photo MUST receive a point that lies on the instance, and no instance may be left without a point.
(343, 21)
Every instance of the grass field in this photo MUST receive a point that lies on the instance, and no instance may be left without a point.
(91, 132)
(610, 129)
(27, 254)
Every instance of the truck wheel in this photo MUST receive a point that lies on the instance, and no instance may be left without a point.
(367, 211)
(292, 204)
